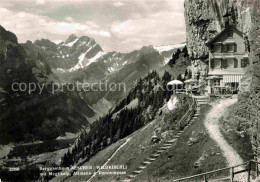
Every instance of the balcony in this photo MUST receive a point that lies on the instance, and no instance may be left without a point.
(229, 54)
(226, 71)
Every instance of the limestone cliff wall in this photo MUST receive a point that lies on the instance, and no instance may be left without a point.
(250, 94)
(206, 18)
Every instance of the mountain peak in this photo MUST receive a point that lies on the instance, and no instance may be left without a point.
(45, 43)
(71, 38)
(6, 35)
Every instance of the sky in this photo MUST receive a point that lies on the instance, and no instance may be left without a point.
(117, 25)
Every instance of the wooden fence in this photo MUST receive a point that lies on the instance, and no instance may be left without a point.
(250, 167)
(188, 115)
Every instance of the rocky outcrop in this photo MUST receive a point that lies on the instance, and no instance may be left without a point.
(206, 18)
(6, 35)
(249, 103)
(199, 69)
(250, 92)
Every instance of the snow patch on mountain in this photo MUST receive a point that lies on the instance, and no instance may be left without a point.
(168, 50)
(111, 69)
(166, 60)
(82, 57)
(60, 69)
(70, 44)
(95, 58)
(83, 61)
(161, 49)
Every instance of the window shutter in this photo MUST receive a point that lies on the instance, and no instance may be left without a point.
(212, 63)
(235, 63)
(244, 63)
(235, 48)
(223, 48)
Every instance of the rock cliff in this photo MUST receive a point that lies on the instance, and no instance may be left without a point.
(206, 18)
(250, 94)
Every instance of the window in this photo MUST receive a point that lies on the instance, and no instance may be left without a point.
(244, 62)
(216, 47)
(223, 48)
(230, 33)
(224, 63)
(229, 48)
(230, 63)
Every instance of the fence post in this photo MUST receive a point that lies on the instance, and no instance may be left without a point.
(249, 170)
(205, 178)
(232, 174)
(257, 173)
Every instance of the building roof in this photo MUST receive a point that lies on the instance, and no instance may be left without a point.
(222, 32)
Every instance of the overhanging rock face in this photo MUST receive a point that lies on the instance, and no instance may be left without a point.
(206, 18)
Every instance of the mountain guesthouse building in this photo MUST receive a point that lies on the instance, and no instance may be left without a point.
(228, 58)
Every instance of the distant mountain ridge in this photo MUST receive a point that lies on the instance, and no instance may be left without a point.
(48, 115)
(79, 52)
(72, 54)
(82, 59)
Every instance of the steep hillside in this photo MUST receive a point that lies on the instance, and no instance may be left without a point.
(143, 104)
(39, 114)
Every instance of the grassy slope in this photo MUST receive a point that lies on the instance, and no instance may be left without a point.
(132, 154)
(177, 69)
(182, 156)
(235, 134)
(177, 162)
(181, 164)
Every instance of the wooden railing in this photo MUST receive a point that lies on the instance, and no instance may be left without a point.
(248, 169)
(188, 115)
